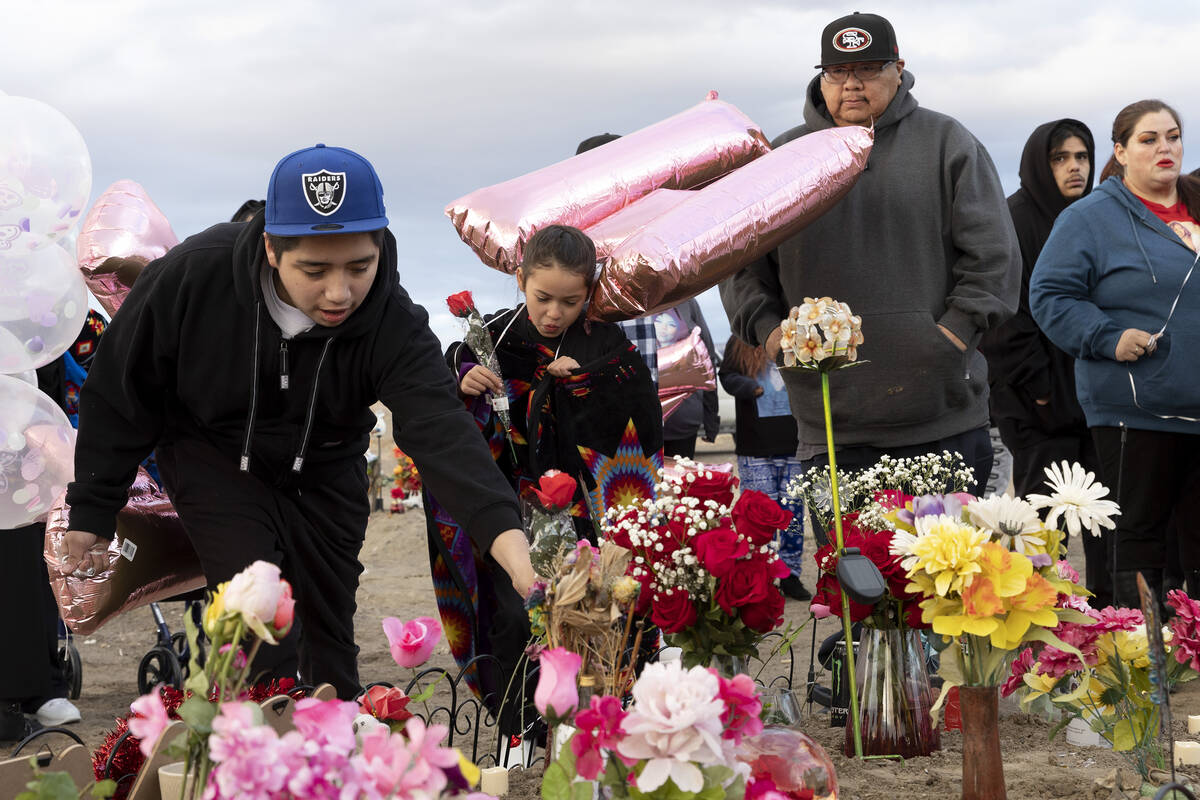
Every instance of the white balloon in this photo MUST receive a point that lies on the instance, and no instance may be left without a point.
(45, 175)
(37, 449)
(43, 303)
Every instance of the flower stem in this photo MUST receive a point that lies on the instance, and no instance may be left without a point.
(417, 683)
(837, 528)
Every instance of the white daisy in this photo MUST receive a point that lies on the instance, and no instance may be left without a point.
(1077, 497)
(902, 545)
(1011, 521)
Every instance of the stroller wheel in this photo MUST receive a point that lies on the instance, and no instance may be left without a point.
(160, 665)
(179, 645)
(72, 668)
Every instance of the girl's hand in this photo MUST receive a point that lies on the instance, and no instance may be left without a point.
(1134, 344)
(561, 367)
(478, 380)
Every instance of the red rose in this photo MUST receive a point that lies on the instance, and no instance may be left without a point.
(765, 615)
(718, 549)
(746, 584)
(673, 612)
(461, 304)
(710, 485)
(758, 517)
(385, 703)
(646, 578)
(555, 490)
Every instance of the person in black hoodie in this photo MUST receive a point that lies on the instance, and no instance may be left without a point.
(250, 355)
(1032, 382)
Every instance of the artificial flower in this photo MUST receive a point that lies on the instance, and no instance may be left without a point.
(1011, 521)
(412, 642)
(557, 695)
(461, 304)
(258, 596)
(385, 703)
(555, 490)
(947, 550)
(1078, 498)
(149, 720)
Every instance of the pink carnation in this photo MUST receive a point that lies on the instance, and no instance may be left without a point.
(1118, 619)
(1016, 679)
(742, 707)
(598, 728)
(1056, 663)
(1066, 571)
(1186, 637)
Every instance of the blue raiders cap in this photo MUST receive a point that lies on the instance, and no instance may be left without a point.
(320, 190)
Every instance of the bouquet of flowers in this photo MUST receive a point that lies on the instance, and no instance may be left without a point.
(548, 523)
(707, 565)
(407, 482)
(677, 740)
(1109, 684)
(462, 305)
(820, 334)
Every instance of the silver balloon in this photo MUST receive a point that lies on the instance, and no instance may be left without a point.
(45, 175)
(43, 303)
(37, 447)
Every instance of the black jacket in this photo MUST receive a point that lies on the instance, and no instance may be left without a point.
(194, 354)
(1023, 364)
(755, 436)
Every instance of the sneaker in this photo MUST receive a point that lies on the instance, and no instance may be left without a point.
(57, 711)
(793, 588)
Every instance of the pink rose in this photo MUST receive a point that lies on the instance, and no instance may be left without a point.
(412, 642)
(149, 720)
(326, 722)
(285, 611)
(557, 696)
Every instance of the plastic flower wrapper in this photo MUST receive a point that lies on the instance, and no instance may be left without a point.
(548, 522)
(462, 305)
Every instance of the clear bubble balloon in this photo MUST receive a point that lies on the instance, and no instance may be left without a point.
(43, 303)
(45, 175)
(37, 447)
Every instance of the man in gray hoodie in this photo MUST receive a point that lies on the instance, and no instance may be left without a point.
(922, 248)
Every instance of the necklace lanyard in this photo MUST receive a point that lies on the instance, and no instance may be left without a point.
(1154, 342)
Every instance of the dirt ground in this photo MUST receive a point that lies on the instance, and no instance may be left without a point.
(396, 583)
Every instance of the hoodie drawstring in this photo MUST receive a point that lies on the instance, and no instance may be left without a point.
(1138, 239)
(245, 460)
(298, 461)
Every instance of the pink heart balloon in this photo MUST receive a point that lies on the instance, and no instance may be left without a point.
(123, 223)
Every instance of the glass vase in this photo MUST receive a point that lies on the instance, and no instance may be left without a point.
(894, 696)
(727, 666)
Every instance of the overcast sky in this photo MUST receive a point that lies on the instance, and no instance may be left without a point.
(197, 102)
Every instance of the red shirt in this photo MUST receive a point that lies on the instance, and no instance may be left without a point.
(1169, 214)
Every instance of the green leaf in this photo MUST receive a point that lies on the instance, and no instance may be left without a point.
(103, 789)
(1062, 723)
(555, 784)
(198, 714)
(582, 790)
(566, 756)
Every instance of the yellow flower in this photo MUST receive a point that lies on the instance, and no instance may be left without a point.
(948, 618)
(1133, 647)
(1006, 570)
(948, 550)
(1034, 606)
(469, 771)
(214, 612)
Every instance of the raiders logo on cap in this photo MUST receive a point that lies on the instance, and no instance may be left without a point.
(324, 190)
(851, 40)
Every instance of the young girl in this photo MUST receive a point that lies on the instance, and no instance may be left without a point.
(580, 400)
(765, 443)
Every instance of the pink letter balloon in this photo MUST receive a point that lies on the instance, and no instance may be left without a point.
(686, 150)
(43, 303)
(37, 445)
(123, 223)
(45, 175)
(714, 232)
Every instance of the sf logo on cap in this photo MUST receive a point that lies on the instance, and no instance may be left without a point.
(848, 40)
(324, 190)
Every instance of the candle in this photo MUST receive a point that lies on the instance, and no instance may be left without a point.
(494, 781)
(1187, 753)
(1194, 724)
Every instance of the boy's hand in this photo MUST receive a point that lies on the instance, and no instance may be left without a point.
(478, 380)
(85, 556)
(561, 367)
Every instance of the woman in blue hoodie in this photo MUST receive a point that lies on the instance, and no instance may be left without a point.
(1114, 287)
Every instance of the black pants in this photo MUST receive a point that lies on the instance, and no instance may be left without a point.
(1034, 450)
(974, 446)
(30, 671)
(1159, 478)
(314, 535)
(685, 447)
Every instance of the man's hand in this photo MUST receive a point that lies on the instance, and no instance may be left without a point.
(561, 367)
(478, 380)
(86, 554)
(511, 551)
(771, 346)
(954, 340)
(1134, 344)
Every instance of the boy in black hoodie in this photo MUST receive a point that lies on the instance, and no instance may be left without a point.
(250, 355)
(1032, 382)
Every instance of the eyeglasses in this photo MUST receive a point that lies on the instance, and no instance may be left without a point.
(863, 72)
